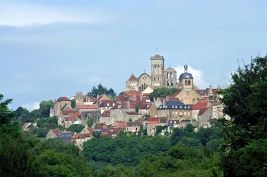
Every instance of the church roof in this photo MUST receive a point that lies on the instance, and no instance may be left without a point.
(185, 75)
(63, 99)
(132, 78)
(170, 69)
(157, 57)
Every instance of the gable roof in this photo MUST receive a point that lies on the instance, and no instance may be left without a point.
(63, 99)
(200, 105)
(132, 78)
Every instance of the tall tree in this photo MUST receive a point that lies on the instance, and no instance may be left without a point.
(45, 108)
(245, 102)
(100, 90)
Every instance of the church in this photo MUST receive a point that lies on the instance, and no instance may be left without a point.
(160, 77)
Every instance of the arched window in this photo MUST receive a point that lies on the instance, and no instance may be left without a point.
(189, 82)
(168, 84)
(185, 82)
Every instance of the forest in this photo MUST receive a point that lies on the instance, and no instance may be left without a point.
(234, 148)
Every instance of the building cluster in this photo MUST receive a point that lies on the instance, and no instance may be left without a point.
(133, 112)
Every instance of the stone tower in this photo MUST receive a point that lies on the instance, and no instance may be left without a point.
(157, 71)
(186, 79)
(170, 77)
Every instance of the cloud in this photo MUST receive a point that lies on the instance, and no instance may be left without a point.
(198, 75)
(22, 15)
(32, 106)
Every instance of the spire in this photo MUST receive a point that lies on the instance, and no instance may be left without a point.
(185, 68)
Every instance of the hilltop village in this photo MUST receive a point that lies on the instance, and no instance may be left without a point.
(134, 112)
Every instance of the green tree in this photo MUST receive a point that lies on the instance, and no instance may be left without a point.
(100, 90)
(76, 128)
(90, 121)
(45, 108)
(162, 92)
(73, 103)
(5, 114)
(23, 115)
(245, 102)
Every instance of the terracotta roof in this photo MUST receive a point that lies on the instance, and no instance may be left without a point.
(120, 124)
(153, 120)
(133, 124)
(200, 105)
(56, 131)
(71, 118)
(63, 99)
(132, 113)
(132, 78)
(105, 114)
(82, 136)
(202, 111)
(100, 126)
(94, 106)
(131, 93)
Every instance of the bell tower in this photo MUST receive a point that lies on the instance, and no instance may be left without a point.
(157, 71)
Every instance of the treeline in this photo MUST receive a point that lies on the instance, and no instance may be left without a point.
(185, 153)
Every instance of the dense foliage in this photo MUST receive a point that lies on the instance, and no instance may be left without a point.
(245, 134)
(186, 153)
(76, 128)
(100, 90)
(123, 149)
(26, 156)
(162, 92)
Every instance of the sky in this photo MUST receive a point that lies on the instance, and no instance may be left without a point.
(53, 48)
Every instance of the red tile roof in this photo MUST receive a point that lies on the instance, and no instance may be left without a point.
(200, 105)
(202, 111)
(71, 118)
(132, 78)
(132, 113)
(153, 120)
(56, 131)
(105, 114)
(100, 126)
(120, 124)
(82, 136)
(94, 106)
(63, 99)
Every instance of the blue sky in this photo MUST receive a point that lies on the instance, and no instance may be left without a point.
(51, 48)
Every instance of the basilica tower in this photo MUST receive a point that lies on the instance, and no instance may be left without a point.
(157, 71)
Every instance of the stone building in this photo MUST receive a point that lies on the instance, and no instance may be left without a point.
(159, 76)
(170, 77)
(59, 105)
